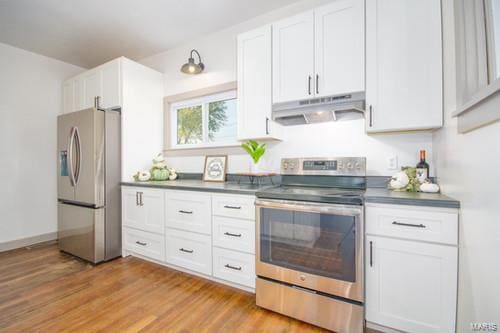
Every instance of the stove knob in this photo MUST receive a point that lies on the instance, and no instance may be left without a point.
(358, 166)
(349, 165)
(285, 165)
(340, 165)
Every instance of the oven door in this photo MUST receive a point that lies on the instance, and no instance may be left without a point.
(311, 245)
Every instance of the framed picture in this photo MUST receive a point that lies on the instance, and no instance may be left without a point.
(215, 168)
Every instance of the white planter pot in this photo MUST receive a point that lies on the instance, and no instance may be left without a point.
(255, 168)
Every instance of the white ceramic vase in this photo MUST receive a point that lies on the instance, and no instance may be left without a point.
(255, 167)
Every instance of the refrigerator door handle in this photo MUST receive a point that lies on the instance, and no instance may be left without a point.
(78, 142)
(71, 172)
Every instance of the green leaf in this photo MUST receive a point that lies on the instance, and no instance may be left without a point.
(255, 150)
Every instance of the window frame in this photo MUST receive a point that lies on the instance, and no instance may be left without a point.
(204, 102)
(478, 90)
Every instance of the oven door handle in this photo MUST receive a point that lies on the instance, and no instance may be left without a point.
(313, 207)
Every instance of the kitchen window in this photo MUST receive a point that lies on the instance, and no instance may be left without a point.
(205, 121)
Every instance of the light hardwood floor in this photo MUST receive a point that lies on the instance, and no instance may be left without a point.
(43, 290)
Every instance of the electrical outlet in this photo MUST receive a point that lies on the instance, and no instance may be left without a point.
(392, 163)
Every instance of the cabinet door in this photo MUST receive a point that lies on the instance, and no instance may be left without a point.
(143, 209)
(293, 58)
(68, 96)
(111, 87)
(92, 83)
(339, 48)
(411, 286)
(254, 85)
(79, 93)
(403, 65)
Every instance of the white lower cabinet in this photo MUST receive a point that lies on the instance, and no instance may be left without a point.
(206, 233)
(189, 250)
(411, 284)
(143, 209)
(144, 243)
(234, 266)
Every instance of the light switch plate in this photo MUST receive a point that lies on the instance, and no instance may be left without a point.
(392, 163)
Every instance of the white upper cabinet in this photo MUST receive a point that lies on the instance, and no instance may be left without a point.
(254, 86)
(68, 96)
(111, 85)
(320, 53)
(339, 48)
(103, 82)
(92, 87)
(293, 58)
(403, 65)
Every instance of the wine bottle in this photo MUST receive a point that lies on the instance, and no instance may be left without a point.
(422, 168)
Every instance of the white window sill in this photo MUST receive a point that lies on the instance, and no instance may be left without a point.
(204, 146)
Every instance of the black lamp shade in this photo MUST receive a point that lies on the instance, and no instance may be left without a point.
(191, 67)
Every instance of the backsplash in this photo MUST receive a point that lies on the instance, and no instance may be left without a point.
(346, 138)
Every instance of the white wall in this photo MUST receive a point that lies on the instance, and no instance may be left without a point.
(218, 51)
(30, 100)
(467, 167)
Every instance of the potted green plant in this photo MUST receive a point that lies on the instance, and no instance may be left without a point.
(256, 151)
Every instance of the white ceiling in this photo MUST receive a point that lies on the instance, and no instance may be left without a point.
(90, 32)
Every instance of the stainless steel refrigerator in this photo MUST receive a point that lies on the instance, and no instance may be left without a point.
(89, 211)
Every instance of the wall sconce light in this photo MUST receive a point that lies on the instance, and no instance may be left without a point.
(191, 67)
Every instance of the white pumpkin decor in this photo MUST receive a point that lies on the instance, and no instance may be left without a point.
(399, 180)
(159, 162)
(144, 175)
(173, 174)
(429, 187)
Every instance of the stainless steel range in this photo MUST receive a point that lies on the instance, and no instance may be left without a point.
(309, 258)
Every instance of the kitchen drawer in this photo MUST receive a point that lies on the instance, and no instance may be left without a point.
(234, 234)
(189, 250)
(144, 243)
(234, 266)
(438, 225)
(239, 206)
(189, 211)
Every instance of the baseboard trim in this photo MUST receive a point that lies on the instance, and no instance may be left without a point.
(19, 243)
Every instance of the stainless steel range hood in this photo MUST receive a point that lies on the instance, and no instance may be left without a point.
(317, 110)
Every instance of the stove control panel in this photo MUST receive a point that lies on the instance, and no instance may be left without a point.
(335, 166)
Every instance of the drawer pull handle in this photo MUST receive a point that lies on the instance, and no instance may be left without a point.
(141, 243)
(184, 250)
(185, 212)
(233, 267)
(371, 254)
(409, 224)
(232, 207)
(232, 235)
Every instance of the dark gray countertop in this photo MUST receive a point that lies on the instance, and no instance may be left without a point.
(374, 195)
(199, 185)
(383, 195)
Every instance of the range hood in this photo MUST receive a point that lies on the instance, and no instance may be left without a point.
(316, 110)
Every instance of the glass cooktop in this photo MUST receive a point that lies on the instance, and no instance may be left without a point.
(314, 194)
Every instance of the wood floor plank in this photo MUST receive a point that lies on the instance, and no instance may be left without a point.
(44, 290)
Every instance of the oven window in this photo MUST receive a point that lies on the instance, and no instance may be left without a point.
(320, 244)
